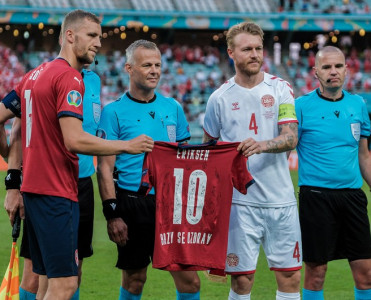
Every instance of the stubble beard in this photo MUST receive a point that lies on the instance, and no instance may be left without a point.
(245, 69)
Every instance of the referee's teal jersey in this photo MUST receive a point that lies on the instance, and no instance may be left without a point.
(329, 134)
(91, 117)
(161, 118)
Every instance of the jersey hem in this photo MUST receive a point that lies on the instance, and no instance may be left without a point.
(50, 193)
(241, 272)
(214, 138)
(286, 269)
(273, 205)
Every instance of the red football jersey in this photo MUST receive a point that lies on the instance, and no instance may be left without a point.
(50, 91)
(193, 185)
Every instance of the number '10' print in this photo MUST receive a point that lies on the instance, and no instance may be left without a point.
(197, 183)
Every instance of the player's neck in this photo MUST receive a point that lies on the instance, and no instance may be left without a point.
(71, 59)
(248, 81)
(332, 94)
(142, 95)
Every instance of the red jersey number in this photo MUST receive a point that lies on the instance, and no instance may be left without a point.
(253, 125)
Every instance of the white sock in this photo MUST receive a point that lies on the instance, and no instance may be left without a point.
(234, 296)
(287, 296)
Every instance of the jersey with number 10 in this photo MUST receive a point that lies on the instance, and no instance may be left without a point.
(193, 185)
(47, 93)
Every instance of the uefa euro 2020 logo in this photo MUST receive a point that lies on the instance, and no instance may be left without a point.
(74, 98)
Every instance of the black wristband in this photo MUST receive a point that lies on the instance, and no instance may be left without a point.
(13, 179)
(110, 209)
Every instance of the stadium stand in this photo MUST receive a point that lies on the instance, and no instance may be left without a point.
(259, 6)
(50, 3)
(196, 5)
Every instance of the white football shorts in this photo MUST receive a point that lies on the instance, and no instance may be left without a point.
(276, 229)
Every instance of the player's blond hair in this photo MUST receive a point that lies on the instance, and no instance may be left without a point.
(244, 27)
(74, 18)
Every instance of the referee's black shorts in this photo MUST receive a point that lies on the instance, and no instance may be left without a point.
(138, 212)
(334, 224)
(85, 235)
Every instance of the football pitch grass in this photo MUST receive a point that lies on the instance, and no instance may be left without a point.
(101, 280)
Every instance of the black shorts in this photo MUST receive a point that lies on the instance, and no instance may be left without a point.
(138, 212)
(334, 224)
(86, 204)
(85, 234)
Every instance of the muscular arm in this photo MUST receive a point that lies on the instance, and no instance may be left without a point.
(364, 161)
(117, 229)
(78, 141)
(285, 141)
(13, 199)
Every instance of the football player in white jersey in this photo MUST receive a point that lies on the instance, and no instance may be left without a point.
(257, 109)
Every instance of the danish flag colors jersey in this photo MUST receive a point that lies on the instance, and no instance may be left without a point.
(50, 91)
(193, 186)
(234, 113)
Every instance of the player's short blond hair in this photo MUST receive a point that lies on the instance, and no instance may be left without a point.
(74, 18)
(244, 27)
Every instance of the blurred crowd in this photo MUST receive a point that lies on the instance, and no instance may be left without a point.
(189, 73)
(325, 7)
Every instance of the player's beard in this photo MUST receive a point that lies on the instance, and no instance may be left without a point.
(84, 57)
(247, 70)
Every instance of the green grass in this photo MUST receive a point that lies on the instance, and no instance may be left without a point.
(101, 280)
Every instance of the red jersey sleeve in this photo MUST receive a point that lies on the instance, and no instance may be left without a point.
(70, 90)
(241, 177)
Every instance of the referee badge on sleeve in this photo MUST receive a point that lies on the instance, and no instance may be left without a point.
(356, 130)
(171, 133)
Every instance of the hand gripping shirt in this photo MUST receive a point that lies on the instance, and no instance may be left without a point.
(91, 114)
(47, 93)
(234, 113)
(194, 185)
(161, 118)
(329, 134)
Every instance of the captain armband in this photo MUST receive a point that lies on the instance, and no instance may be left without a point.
(110, 209)
(13, 179)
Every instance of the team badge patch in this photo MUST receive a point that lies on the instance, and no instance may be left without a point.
(96, 112)
(74, 98)
(101, 133)
(267, 101)
(356, 130)
(171, 133)
(232, 260)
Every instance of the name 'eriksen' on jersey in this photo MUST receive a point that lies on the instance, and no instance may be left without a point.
(193, 154)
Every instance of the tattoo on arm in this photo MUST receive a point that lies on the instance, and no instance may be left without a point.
(285, 141)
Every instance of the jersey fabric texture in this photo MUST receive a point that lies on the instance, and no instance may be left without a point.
(91, 114)
(161, 118)
(47, 93)
(329, 134)
(234, 113)
(193, 198)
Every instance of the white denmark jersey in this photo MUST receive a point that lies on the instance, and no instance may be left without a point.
(234, 113)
